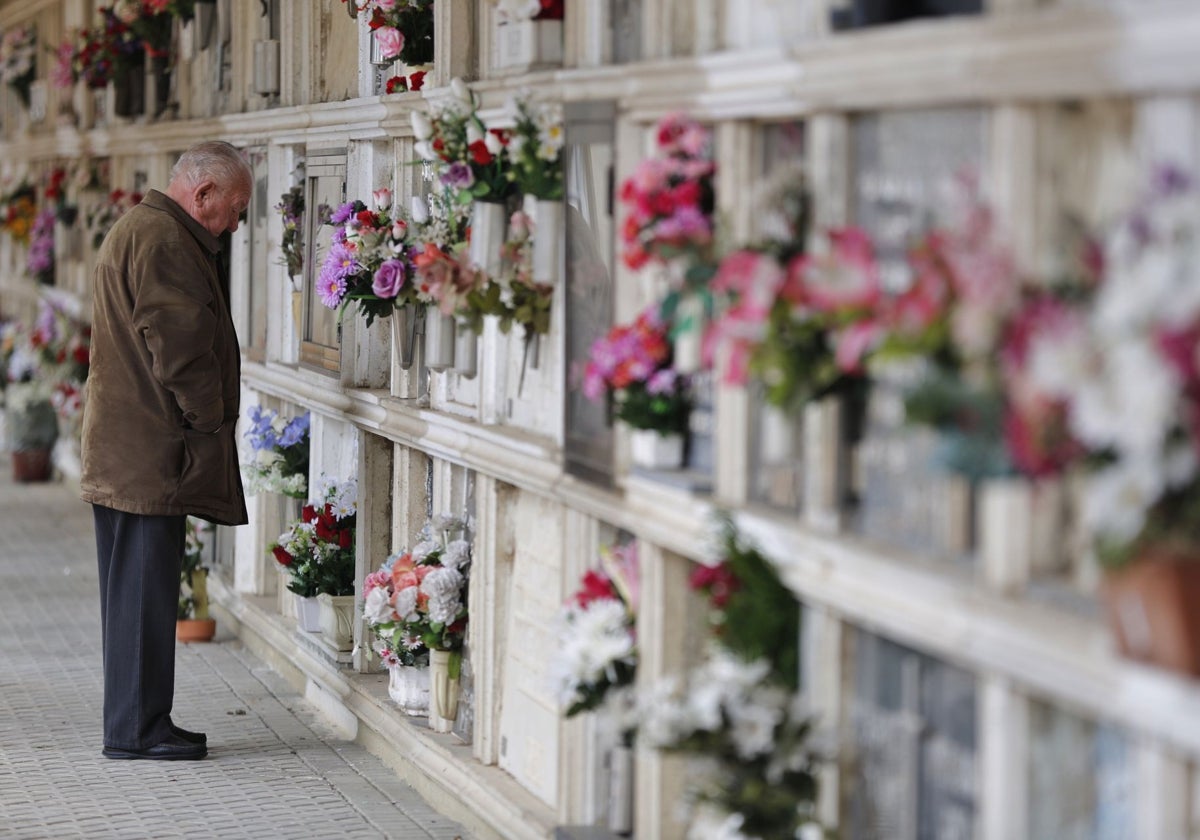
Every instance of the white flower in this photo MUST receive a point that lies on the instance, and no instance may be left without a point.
(422, 126)
(708, 823)
(1116, 498)
(406, 604)
(444, 610)
(423, 549)
(1131, 404)
(474, 132)
(754, 721)
(419, 210)
(592, 639)
(447, 522)
(493, 143)
(442, 583)
(377, 608)
(457, 554)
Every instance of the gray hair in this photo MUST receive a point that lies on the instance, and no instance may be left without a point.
(215, 159)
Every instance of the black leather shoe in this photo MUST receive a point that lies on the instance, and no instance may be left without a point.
(173, 748)
(190, 737)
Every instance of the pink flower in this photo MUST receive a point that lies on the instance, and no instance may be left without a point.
(389, 279)
(852, 344)
(385, 5)
(390, 40)
(846, 278)
(382, 198)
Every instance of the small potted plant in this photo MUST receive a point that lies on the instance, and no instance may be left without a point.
(632, 367)
(193, 623)
(318, 553)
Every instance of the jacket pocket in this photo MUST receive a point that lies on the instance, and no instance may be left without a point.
(203, 476)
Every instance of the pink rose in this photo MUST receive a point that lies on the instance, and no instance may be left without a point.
(390, 40)
(389, 279)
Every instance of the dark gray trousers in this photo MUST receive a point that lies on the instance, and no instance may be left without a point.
(140, 562)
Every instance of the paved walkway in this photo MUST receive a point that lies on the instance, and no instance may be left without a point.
(274, 768)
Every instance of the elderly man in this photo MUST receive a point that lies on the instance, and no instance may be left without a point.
(158, 432)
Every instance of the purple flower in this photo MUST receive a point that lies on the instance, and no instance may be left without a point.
(389, 279)
(331, 290)
(458, 176)
(342, 214)
(662, 382)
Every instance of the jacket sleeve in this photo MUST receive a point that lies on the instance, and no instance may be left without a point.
(173, 311)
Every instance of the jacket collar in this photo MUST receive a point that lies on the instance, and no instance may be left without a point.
(161, 201)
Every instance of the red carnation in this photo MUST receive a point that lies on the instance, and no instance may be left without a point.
(281, 556)
(480, 154)
(417, 80)
(308, 513)
(595, 587)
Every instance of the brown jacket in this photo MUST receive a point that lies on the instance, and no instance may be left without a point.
(163, 388)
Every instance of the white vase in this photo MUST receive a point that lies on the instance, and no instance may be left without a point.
(466, 350)
(336, 617)
(404, 331)
(649, 449)
(308, 614)
(777, 433)
(444, 689)
(408, 686)
(439, 339)
(548, 237)
(620, 790)
(488, 222)
(689, 319)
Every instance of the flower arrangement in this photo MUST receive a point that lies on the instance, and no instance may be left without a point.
(739, 710)
(403, 28)
(469, 158)
(515, 11)
(18, 59)
(370, 261)
(121, 44)
(318, 549)
(535, 149)
(597, 652)
(632, 366)
(291, 208)
(150, 21)
(522, 300)
(100, 218)
(1125, 371)
(279, 447)
(417, 600)
(18, 209)
(669, 199)
(39, 262)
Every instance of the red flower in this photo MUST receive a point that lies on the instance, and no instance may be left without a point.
(366, 218)
(345, 538)
(377, 20)
(480, 154)
(595, 587)
(717, 582)
(308, 513)
(80, 355)
(417, 80)
(281, 556)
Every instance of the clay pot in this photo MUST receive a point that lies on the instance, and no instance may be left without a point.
(1151, 605)
(195, 629)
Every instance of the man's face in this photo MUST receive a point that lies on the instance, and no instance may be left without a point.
(219, 208)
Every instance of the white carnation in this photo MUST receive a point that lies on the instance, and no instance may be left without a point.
(377, 608)
(405, 604)
(457, 554)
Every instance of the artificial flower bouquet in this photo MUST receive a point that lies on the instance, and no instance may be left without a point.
(597, 634)
(669, 199)
(18, 209)
(535, 148)
(279, 453)
(18, 59)
(469, 159)
(39, 261)
(631, 365)
(417, 601)
(522, 300)
(739, 710)
(370, 260)
(402, 28)
(291, 208)
(318, 549)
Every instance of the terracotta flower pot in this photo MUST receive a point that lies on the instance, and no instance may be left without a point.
(1152, 607)
(195, 629)
(32, 465)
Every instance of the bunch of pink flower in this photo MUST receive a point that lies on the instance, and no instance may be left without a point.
(669, 199)
(403, 28)
(632, 363)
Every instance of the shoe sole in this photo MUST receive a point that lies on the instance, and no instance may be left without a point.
(133, 756)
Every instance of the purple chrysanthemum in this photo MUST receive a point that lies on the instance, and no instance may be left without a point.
(342, 214)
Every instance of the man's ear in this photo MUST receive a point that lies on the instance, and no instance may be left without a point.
(204, 190)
